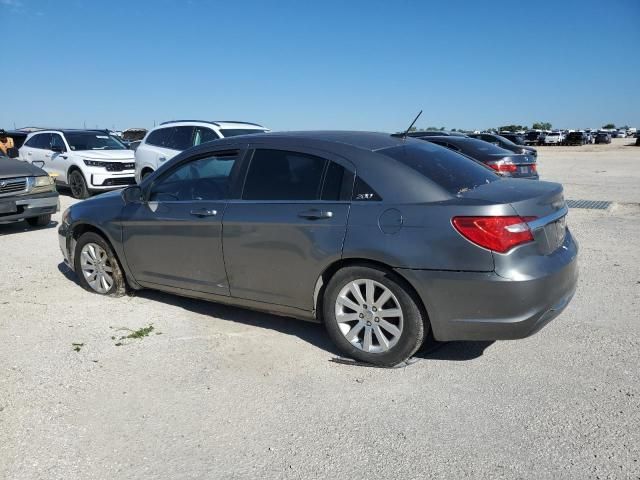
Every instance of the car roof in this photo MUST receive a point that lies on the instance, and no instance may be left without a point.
(217, 123)
(70, 130)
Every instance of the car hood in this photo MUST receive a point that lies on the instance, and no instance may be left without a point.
(10, 168)
(113, 155)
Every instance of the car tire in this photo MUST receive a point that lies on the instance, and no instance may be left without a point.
(359, 334)
(39, 221)
(97, 267)
(78, 185)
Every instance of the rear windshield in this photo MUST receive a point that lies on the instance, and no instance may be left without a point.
(474, 147)
(453, 172)
(234, 132)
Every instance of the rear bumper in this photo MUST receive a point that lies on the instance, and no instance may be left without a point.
(486, 306)
(32, 206)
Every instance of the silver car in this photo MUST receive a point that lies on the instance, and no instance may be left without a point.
(383, 239)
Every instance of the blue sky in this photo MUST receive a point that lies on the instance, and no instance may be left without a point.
(363, 65)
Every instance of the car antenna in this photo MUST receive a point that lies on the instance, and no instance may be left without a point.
(404, 135)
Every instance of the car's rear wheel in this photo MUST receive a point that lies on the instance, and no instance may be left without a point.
(40, 220)
(371, 316)
(78, 185)
(97, 267)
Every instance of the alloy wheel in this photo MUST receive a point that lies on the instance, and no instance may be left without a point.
(369, 315)
(76, 185)
(96, 267)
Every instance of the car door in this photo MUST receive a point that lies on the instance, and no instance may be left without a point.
(174, 237)
(38, 146)
(288, 226)
(56, 158)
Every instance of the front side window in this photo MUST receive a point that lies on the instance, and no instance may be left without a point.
(57, 141)
(203, 179)
(81, 141)
(283, 175)
(203, 135)
(34, 141)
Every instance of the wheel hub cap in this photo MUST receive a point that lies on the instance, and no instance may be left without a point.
(96, 267)
(369, 315)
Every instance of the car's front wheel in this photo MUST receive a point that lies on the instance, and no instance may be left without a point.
(78, 185)
(97, 267)
(372, 316)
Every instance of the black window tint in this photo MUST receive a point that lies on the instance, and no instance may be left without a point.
(32, 142)
(157, 137)
(453, 172)
(56, 140)
(203, 135)
(363, 192)
(338, 183)
(205, 178)
(180, 138)
(282, 175)
(44, 141)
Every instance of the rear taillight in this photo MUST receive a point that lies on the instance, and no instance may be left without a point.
(501, 167)
(534, 167)
(499, 234)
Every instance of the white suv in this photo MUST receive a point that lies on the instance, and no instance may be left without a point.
(170, 138)
(87, 161)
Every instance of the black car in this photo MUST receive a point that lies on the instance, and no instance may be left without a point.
(514, 137)
(504, 162)
(503, 142)
(603, 137)
(576, 138)
(432, 133)
(26, 192)
(533, 137)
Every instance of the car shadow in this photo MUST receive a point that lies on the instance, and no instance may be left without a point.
(22, 226)
(453, 351)
(313, 333)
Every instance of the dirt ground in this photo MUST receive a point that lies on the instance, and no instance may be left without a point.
(220, 392)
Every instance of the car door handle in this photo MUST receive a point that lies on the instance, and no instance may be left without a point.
(162, 159)
(315, 214)
(204, 212)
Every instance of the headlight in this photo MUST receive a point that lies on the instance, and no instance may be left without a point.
(65, 215)
(95, 163)
(43, 184)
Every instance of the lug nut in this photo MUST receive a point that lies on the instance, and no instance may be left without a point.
(362, 315)
(377, 319)
(374, 309)
(368, 324)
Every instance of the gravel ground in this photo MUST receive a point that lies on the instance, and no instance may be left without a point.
(219, 392)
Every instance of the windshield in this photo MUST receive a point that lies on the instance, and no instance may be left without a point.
(553, 134)
(93, 141)
(453, 172)
(234, 132)
(506, 141)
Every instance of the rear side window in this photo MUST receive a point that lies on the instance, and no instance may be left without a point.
(338, 183)
(157, 137)
(180, 138)
(283, 175)
(453, 172)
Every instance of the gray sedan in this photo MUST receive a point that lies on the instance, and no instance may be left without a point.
(385, 240)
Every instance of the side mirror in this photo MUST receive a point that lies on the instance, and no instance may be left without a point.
(132, 194)
(13, 152)
(57, 148)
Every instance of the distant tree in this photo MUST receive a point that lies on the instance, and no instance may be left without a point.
(609, 126)
(432, 128)
(413, 129)
(541, 126)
